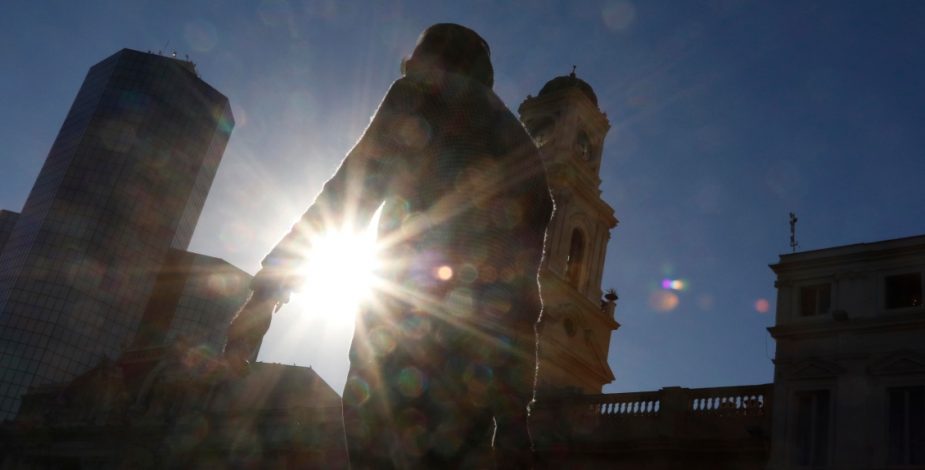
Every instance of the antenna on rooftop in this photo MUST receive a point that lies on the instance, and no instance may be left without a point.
(793, 232)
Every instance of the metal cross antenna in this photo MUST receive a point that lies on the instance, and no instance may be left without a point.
(793, 232)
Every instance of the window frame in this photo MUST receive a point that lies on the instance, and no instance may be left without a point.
(904, 383)
(794, 419)
(575, 272)
(816, 285)
(885, 299)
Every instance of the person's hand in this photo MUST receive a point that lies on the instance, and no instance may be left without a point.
(245, 333)
(273, 283)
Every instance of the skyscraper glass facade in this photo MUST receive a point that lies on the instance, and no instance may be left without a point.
(124, 182)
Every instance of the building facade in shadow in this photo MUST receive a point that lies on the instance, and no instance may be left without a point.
(111, 333)
(123, 183)
(849, 373)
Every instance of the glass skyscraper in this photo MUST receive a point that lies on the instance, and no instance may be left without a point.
(123, 184)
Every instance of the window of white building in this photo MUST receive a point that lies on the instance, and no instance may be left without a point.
(903, 290)
(811, 448)
(906, 425)
(815, 299)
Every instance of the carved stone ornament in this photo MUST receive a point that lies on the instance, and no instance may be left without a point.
(814, 369)
(899, 363)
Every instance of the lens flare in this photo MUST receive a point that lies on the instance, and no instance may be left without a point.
(444, 273)
(340, 272)
(200, 35)
(762, 305)
(674, 284)
(411, 382)
(663, 301)
(618, 15)
(705, 302)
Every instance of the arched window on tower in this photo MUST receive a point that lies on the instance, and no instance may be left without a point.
(574, 266)
(541, 130)
(583, 144)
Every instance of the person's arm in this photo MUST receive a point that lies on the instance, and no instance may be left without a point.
(351, 196)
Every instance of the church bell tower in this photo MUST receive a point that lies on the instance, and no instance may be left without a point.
(578, 318)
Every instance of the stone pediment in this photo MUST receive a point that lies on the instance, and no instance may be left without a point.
(900, 363)
(814, 369)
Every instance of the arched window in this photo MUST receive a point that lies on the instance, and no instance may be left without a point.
(541, 130)
(583, 144)
(574, 266)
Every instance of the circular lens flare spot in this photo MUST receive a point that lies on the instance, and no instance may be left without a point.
(705, 302)
(444, 273)
(411, 382)
(762, 305)
(674, 284)
(356, 392)
(663, 301)
(618, 15)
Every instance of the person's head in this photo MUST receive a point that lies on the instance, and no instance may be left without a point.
(452, 48)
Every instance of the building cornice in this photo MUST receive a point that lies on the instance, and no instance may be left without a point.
(881, 323)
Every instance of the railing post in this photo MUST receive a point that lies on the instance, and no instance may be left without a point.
(673, 411)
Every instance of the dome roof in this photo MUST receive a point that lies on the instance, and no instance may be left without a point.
(569, 81)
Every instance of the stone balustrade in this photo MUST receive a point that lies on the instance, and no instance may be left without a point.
(730, 401)
(731, 423)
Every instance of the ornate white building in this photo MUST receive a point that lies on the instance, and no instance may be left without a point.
(569, 129)
(849, 377)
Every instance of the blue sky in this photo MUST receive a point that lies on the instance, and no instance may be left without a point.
(726, 116)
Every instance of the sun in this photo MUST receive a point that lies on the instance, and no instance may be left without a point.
(340, 273)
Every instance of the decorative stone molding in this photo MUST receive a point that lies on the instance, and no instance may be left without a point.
(814, 368)
(899, 363)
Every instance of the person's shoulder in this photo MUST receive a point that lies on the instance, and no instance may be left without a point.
(404, 86)
(404, 95)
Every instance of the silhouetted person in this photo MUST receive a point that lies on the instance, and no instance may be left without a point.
(446, 355)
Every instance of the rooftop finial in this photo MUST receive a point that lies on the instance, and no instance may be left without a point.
(573, 71)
